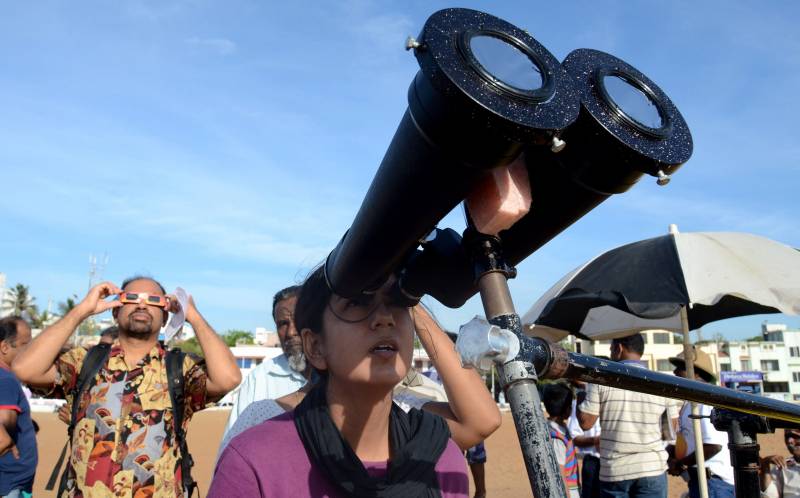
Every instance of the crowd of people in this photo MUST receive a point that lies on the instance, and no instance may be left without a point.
(340, 413)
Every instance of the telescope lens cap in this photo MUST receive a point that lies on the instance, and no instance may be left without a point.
(630, 107)
(508, 64)
(510, 80)
(633, 101)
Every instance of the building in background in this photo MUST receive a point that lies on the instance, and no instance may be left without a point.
(265, 337)
(768, 365)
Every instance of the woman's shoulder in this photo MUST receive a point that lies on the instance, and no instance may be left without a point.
(452, 472)
(278, 430)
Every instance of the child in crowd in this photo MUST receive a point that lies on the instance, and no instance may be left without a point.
(557, 399)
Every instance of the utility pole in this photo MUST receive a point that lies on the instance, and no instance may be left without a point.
(96, 269)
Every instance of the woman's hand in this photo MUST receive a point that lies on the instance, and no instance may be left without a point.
(470, 412)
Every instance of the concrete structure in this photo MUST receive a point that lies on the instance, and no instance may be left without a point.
(264, 337)
(3, 290)
(659, 346)
(769, 366)
(250, 355)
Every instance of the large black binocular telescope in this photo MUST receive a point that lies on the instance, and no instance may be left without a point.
(487, 93)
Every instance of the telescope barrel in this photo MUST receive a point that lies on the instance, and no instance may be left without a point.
(484, 91)
(627, 127)
(562, 364)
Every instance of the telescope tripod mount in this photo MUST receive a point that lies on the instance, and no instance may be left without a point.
(517, 374)
(743, 430)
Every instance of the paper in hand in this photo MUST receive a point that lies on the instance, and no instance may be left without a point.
(175, 325)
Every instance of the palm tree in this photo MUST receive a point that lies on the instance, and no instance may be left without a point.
(18, 301)
(41, 320)
(66, 306)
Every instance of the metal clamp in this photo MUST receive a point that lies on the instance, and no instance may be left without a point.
(481, 344)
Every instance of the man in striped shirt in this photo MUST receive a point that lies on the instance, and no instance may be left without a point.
(633, 461)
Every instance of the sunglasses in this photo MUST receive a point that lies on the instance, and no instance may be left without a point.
(143, 297)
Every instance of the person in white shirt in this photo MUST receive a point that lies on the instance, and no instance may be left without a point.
(719, 472)
(633, 462)
(587, 443)
(281, 375)
(780, 475)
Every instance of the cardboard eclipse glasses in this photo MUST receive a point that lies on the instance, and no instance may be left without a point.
(143, 297)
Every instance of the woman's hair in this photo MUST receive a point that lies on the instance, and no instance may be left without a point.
(311, 302)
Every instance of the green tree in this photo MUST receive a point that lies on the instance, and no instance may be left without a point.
(234, 337)
(42, 320)
(66, 306)
(189, 346)
(18, 301)
(88, 327)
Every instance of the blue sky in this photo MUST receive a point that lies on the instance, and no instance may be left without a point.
(225, 146)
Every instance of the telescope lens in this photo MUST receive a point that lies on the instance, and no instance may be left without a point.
(632, 101)
(506, 63)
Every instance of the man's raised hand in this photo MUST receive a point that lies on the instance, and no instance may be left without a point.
(95, 302)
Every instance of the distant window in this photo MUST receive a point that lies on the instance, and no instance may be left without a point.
(661, 338)
(745, 364)
(770, 365)
(244, 362)
(795, 376)
(794, 351)
(776, 387)
(664, 366)
(578, 347)
(725, 367)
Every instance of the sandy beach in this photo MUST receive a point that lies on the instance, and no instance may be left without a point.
(505, 469)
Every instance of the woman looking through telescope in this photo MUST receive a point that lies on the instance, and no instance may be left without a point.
(347, 437)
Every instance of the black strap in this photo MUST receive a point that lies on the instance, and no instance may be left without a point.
(51, 483)
(417, 441)
(94, 360)
(92, 363)
(176, 381)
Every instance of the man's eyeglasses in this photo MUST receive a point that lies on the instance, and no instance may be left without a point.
(143, 297)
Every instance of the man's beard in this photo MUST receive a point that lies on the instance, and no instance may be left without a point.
(137, 329)
(297, 361)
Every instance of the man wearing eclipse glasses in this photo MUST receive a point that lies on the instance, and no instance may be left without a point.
(126, 437)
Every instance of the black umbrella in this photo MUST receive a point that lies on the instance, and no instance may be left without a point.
(679, 281)
(644, 285)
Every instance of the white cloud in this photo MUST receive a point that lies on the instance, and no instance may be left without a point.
(221, 46)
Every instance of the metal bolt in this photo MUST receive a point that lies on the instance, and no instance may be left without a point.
(663, 178)
(557, 145)
(412, 42)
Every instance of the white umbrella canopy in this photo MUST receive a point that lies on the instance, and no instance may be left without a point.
(644, 285)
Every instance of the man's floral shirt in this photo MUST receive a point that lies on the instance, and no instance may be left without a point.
(123, 444)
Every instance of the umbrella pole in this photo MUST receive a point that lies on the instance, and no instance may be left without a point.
(688, 355)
